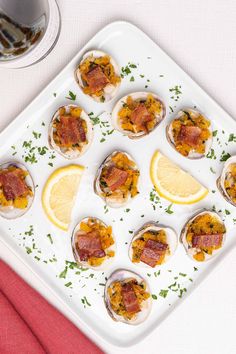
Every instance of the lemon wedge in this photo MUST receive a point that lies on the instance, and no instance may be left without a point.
(174, 184)
(59, 194)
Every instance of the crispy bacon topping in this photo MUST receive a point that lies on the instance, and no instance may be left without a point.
(89, 245)
(202, 241)
(70, 130)
(115, 177)
(13, 183)
(96, 79)
(129, 298)
(152, 252)
(189, 135)
(140, 117)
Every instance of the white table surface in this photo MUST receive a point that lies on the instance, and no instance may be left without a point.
(201, 37)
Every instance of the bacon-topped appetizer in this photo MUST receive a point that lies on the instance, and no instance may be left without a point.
(127, 297)
(137, 114)
(190, 133)
(203, 235)
(227, 181)
(117, 179)
(98, 76)
(152, 245)
(70, 131)
(16, 190)
(93, 243)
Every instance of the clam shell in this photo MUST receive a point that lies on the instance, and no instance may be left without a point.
(110, 91)
(221, 179)
(124, 275)
(172, 240)
(191, 251)
(70, 153)
(110, 201)
(85, 264)
(135, 96)
(10, 212)
(169, 134)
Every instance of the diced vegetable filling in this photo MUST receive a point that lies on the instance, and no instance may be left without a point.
(190, 133)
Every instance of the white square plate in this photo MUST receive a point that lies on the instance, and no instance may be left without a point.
(155, 72)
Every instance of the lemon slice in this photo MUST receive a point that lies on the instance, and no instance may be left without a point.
(174, 184)
(59, 194)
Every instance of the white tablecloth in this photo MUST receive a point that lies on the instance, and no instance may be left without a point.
(201, 37)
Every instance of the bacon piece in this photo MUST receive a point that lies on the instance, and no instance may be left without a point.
(89, 245)
(70, 130)
(129, 298)
(140, 117)
(152, 252)
(189, 135)
(115, 178)
(13, 184)
(202, 241)
(96, 79)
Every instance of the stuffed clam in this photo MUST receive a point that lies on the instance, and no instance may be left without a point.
(16, 190)
(98, 75)
(127, 297)
(93, 243)
(138, 114)
(227, 181)
(117, 179)
(203, 235)
(70, 131)
(152, 245)
(190, 133)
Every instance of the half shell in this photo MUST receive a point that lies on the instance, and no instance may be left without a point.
(113, 202)
(110, 91)
(225, 175)
(123, 275)
(171, 238)
(136, 96)
(107, 261)
(11, 212)
(191, 251)
(70, 153)
(169, 134)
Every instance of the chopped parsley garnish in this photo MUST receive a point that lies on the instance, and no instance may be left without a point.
(163, 293)
(126, 70)
(94, 119)
(68, 284)
(50, 238)
(214, 133)
(168, 209)
(63, 273)
(28, 250)
(154, 297)
(227, 212)
(176, 91)
(105, 209)
(36, 135)
(131, 79)
(211, 154)
(85, 301)
(71, 96)
(232, 137)
(224, 156)
(154, 198)
(127, 210)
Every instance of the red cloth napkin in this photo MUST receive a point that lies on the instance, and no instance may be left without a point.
(30, 325)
